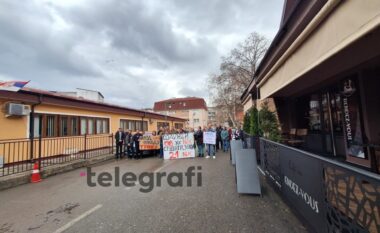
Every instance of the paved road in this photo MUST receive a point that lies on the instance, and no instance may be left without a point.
(65, 203)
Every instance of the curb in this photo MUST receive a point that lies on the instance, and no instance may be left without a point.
(15, 180)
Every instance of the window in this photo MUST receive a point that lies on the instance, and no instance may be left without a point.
(138, 125)
(134, 125)
(314, 114)
(90, 122)
(74, 126)
(50, 126)
(63, 126)
(145, 126)
(99, 128)
(196, 120)
(83, 126)
(36, 131)
(105, 126)
(178, 125)
(162, 124)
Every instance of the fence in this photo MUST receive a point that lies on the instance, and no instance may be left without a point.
(331, 196)
(18, 155)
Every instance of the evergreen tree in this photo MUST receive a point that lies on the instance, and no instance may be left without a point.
(255, 128)
(247, 122)
(269, 123)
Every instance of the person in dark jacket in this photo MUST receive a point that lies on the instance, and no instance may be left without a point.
(119, 139)
(218, 138)
(198, 137)
(128, 144)
(136, 144)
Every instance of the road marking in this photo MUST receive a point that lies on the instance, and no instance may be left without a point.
(82, 216)
(163, 166)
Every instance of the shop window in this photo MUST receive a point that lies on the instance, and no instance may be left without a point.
(314, 114)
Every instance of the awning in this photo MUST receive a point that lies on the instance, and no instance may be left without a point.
(349, 22)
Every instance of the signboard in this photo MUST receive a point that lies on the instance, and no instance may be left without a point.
(148, 142)
(209, 138)
(351, 119)
(178, 146)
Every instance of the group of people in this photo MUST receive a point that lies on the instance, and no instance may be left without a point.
(128, 144)
(222, 141)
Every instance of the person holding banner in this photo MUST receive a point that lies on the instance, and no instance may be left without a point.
(136, 144)
(198, 137)
(209, 138)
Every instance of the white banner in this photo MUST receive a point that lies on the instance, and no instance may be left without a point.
(178, 146)
(209, 138)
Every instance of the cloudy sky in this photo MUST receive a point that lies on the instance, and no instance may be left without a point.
(133, 51)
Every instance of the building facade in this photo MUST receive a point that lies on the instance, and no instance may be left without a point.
(322, 73)
(57, 115)
(194, 110)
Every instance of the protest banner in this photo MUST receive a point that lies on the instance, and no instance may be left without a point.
(178, 146)
(149, 142)
(209, 138)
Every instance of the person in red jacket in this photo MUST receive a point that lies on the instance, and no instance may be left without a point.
(230, 133)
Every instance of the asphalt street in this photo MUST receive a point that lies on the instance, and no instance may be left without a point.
(66, 203)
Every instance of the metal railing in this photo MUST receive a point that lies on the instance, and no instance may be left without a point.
(19, 155)
(331, 196)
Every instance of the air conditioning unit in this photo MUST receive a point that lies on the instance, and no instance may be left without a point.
(12, 109)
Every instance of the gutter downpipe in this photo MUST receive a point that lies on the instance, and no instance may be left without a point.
(317, 20)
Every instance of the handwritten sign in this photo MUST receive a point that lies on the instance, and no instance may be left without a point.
(148, 142)
(178, 146)
(209, 138)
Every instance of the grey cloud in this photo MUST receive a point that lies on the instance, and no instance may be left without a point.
(134, 52)
(28, 45)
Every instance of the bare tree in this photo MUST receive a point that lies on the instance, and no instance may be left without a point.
(236, 72)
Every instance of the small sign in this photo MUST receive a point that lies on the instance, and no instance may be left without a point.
(209, 138)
